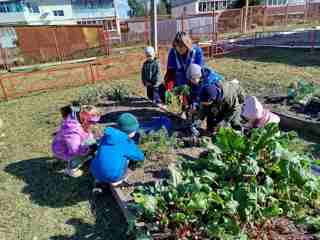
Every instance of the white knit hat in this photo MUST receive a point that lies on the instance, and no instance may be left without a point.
(252, 108)
(194, 71)
(149, 51)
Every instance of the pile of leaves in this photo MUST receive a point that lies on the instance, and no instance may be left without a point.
(241, 183)
(94, 95)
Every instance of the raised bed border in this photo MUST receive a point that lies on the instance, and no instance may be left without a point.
(309, 128)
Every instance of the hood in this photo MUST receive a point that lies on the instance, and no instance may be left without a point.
(71, 125)
(210, 77)
(113, 136)
(252, 108)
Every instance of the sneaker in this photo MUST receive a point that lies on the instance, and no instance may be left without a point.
(97, 190)
(162, 106)
(74, 172)
(116, 184)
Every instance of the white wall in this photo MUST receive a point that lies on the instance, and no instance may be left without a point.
(96, 13)
(12, 17)
(191, 8)
(136, 27)
(47, 17)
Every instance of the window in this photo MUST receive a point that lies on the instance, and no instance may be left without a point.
(212, 5)
(33, 7)
(91, 4)
(110, 25)
(58, 13)
(7, 7)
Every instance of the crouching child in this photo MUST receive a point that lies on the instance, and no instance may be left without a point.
(221, 105)
(116, 149)
(255, 115)
(200, 77)
(74, 142)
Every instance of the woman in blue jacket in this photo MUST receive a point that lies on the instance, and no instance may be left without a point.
(115, 151)
(180, 57)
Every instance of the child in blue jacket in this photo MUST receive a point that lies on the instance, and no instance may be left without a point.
(200, 77)
(115, 151)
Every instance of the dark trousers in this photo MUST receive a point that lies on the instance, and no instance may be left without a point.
(156, 94)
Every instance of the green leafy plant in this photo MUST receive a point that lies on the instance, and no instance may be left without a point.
(302, 91)
(158, 143)
(92, 95)
(175, 99)
(237, 183)
(118, 93)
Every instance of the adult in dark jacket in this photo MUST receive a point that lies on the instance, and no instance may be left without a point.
(115, 151)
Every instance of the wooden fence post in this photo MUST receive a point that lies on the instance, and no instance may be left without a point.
(287, 15)
(250, 18)
(56, 43)
(92, 73)
(305, 11)
(264, 20)
(4, 90)
(241, 20)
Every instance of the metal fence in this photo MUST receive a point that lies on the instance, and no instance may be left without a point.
(208, 26)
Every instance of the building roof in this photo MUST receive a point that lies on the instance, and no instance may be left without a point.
(177, 3)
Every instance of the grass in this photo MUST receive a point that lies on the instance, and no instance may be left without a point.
(267, 68)
(275, 28)
(38, 202)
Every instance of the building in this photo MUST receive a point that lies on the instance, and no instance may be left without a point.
(62, 12)
(191, 7)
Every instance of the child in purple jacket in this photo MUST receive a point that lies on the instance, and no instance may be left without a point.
(73, 143)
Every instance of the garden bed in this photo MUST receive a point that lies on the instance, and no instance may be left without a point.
(293, 117)
(156, 164)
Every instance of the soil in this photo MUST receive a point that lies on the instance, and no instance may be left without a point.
(279, 229)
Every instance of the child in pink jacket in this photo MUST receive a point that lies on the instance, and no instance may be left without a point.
(255, 115)
(74, 141)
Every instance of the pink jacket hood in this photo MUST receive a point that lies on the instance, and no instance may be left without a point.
(69, 142)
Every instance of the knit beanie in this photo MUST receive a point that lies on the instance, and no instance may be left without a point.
(194, 71)
(211, 93)
(128, 123)
(149, 51)
(252, 108)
